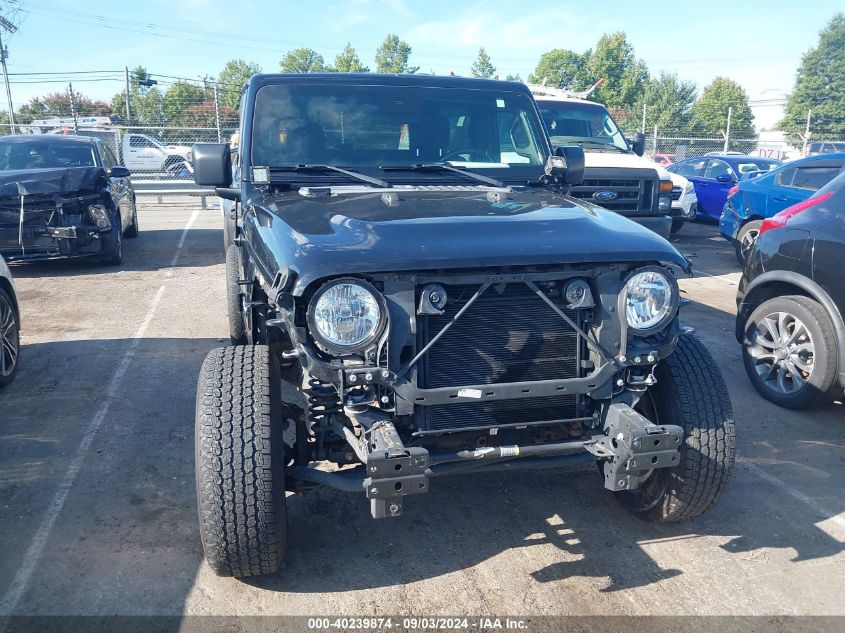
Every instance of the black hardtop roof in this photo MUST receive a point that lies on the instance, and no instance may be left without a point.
(53, 138)
(381, 79)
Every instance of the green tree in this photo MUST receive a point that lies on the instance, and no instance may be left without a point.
(347, 61)
(392, 56)
(483, 67)
(710, 111)
(178, 98)
(303, 60)
(820, 86)
(624, 75)
(562, 68)
(515, 77)
(57, 104)
(668, 101)
(232, 78)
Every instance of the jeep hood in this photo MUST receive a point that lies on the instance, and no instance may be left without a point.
(313, 238)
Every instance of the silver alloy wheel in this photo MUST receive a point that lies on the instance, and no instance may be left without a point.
(9, 338)
(747, 242)
(783, 352)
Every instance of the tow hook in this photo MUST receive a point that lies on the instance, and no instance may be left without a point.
(633, 445)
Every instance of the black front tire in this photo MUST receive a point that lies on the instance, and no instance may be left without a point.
(132, 229)
(240, 462)
(759, 353)
(745, 239)
(691, 393)
(234, 302)
(10, 339)
(677, 225)
(112, 244)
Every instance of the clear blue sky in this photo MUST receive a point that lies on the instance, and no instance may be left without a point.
(758, 44)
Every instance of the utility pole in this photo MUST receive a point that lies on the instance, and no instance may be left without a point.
(126, 78)
(806, 135)
(73, 109)
(728, 129)
(5, 25)
(643, 126)
(217, 115)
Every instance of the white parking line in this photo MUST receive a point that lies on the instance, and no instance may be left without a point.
(22, 578)
(832, 518)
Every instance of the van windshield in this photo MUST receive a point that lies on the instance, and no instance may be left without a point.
(582, 123)
(366, 127)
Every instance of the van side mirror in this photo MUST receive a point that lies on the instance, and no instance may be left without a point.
(212, 164)
(638, 144)
(566, 164)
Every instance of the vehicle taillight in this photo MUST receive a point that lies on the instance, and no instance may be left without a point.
(780, 219)
(733, 190)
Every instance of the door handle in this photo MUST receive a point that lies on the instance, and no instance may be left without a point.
(779, 199)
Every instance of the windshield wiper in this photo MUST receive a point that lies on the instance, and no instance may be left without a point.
(603, 145)
(378, 182)
(443, 167)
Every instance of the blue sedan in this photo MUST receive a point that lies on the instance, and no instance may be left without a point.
(714, 175)
(752, 201)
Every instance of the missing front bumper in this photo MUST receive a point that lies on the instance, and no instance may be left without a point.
(630, 447)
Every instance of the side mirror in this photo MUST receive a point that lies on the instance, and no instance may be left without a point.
(118, 171)
(212, 164)
(725, 178)
(566, 164)
(638, 144)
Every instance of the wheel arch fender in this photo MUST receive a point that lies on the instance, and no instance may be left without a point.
(777, 283)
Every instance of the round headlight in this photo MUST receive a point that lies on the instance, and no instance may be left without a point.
(346, 316)
(650, 301)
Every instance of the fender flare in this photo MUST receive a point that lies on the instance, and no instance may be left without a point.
(813, 290)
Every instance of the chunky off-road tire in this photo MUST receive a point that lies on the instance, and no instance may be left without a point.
(237, 326)
(10, 339)
(691, 393)
(240, 462)
(745, 239)
(132, 230)
(812, 348)
(677, 225)
(112, 244)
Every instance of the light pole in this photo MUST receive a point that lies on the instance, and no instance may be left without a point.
(5, 25)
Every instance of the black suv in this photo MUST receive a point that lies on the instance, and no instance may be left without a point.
(412, 295)
(791, 300)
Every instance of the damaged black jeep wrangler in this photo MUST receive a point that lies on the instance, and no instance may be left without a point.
(412, 294)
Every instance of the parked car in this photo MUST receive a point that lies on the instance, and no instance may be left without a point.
(684, 202)
(752, 201)
(664, 160)
(442, 306)
(63, 196)
(825, 147)
(791, 302)
(10, 327)
(713, 177)
(617, 176)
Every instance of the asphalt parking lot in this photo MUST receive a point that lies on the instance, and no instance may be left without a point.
(98, 514)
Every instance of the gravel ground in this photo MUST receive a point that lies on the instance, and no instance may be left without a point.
(98, 514)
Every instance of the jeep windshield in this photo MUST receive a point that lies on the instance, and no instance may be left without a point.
(380, 129)
(582, 123)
